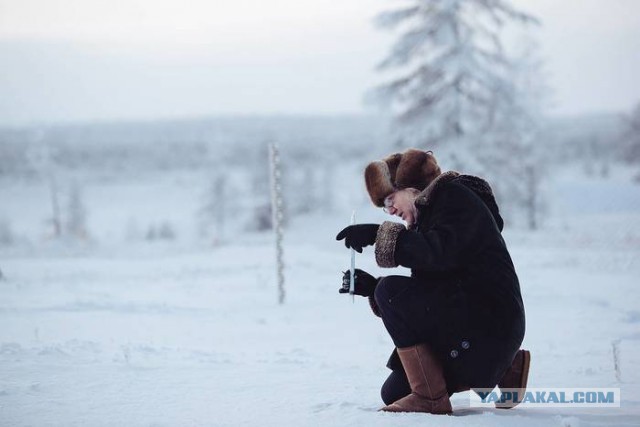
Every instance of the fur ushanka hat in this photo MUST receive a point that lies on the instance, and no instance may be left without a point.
(411, 169)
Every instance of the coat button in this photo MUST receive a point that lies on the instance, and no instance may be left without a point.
(453, 354)
(464, 344)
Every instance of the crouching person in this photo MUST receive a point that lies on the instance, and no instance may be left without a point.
(458, 321)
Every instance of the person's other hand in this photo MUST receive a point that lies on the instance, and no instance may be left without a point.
(359, 235)
(365, 284)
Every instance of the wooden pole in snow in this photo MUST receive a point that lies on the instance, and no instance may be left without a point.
(277, 215)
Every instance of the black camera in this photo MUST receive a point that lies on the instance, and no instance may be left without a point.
(346, 281)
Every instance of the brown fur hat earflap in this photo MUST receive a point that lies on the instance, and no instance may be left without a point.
(411, 169)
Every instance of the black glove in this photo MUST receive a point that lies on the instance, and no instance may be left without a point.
(359, 235)
(365, 284)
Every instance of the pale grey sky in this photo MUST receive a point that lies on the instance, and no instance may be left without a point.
(117, 59)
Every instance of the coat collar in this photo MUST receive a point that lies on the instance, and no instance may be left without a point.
(474, 183)
(426, 196)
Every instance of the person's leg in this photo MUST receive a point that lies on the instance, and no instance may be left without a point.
(426, 380)
(395, 387)
(404, 306)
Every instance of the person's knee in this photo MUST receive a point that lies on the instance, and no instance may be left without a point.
(381, 293)
(388, 287)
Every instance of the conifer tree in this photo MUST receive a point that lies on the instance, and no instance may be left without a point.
(453, 72)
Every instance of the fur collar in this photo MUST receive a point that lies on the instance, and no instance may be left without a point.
(425, 197)
(474, 183)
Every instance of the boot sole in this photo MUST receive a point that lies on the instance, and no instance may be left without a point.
(393, 410)
(524, 379)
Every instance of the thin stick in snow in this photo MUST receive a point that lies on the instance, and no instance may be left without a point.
(616, 359)
(352, 270)
(276, 216)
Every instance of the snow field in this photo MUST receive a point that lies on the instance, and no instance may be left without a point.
(127, 332)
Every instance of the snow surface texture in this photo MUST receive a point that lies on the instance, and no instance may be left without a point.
(155, 334)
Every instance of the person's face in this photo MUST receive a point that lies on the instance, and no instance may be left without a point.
(402, 203)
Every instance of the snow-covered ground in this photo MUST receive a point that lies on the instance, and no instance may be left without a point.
(175, 334)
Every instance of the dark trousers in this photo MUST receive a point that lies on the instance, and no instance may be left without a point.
(395, 387)
(414, 312)
(405, 305)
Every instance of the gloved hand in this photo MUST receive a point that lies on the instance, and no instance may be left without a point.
(359, 235)
(365, 284)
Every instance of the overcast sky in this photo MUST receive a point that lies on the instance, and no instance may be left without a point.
(117, 59)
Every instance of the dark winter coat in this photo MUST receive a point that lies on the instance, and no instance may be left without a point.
(456, 246)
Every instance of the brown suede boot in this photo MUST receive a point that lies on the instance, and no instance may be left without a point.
(515, 378)
(428, 388)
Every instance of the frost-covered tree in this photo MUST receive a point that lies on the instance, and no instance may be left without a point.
(6, 234)
(453, 71)
(307, 197)
(260, 201)
(54, 198)
(162, 231)
(302, 182)
(212, 214)
(631, 136)
(166, 231)
(328, 184)
(76, 224)
(43, 159)
(515, 155)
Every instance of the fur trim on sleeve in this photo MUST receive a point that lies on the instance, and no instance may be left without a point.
(386, 243)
